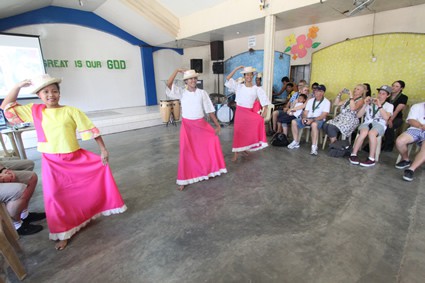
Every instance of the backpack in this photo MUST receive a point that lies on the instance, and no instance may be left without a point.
(279, 140)
(340, 148)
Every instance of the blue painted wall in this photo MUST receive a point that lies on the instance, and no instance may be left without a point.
(256, 59)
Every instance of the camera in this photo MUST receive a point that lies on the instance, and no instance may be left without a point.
(305, 121)
(345, 90)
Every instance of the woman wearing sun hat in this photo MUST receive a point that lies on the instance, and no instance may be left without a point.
(201, 156)
(77, 184)
(249, 131)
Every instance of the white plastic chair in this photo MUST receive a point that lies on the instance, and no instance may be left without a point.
(378, 146)
(409, 150)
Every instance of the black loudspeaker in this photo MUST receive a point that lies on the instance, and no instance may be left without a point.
(218, 68)
(217, 50)
(196, 64)
(200, 84)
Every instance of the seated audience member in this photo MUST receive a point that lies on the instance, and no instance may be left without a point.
(399, 100)
(17, 164)
(16, 190)
(279, 112)
(377, 112)
(297, 92)
(283, 93)
(346, 121)
(369, 90)
(313, 89)
(294, 111)
(416, 133)
(298, 87)
(314, 115)
(303, 82)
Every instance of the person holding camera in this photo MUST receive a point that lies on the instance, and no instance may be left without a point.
(314, 115)
(377, 112)
(346, 121)
(399, 100)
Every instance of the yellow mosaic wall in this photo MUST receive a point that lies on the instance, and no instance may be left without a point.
(399, 56)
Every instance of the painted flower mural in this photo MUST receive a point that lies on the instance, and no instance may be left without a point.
(299, 45)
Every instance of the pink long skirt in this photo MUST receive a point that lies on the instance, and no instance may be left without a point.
(201, 156)
(249, 131)
(77, 187)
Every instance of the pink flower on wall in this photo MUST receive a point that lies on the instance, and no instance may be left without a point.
(300, 49)
(302, 43)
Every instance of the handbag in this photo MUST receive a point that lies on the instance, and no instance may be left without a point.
(279, 139)
(340, 148)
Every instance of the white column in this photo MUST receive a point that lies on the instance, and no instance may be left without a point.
(269, 34)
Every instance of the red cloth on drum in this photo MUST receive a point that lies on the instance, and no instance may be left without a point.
(249, 132)
(201, 156)
(77, 187)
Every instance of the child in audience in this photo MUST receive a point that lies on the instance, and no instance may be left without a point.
(292, 113)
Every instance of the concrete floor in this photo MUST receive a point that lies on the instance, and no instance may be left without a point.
(279, 215)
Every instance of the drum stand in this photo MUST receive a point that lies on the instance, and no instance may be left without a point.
(171, 121)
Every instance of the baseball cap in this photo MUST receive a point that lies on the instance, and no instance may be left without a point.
(387, 88)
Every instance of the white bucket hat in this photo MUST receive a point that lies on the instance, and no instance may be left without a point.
(259, 75)
(248, 70)
(190, 74)
(42, 81)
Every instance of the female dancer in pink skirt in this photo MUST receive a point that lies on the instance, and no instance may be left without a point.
(249, 130)
(77, 184)
(200, 150)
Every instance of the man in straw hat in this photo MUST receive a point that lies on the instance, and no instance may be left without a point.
(77, 184)
(249, 130)
(201, 156)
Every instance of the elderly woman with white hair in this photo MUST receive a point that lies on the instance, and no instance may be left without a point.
(249, 130)
(78, 185)
(346, 122)
(201, 156)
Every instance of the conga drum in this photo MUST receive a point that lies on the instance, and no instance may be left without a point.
(176, 109)
(165, 110)
(225, 114)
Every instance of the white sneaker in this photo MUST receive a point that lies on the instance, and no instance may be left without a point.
(313, 150)
(293, 145)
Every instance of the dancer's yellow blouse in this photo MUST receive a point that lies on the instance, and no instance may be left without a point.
(60, 126)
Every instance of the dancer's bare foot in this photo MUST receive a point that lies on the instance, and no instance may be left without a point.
(180, 188)
(235, 157)
(61, 245)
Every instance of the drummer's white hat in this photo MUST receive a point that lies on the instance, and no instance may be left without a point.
(190, 74)
(42, 81)
(248, 70)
